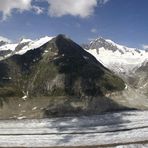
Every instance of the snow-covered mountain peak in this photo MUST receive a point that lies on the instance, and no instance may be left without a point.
(110, 45)
(116, 57)
(122, 47)
(25, 40)
(22, 46)
(27, 44)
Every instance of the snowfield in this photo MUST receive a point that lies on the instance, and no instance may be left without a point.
(119, 58)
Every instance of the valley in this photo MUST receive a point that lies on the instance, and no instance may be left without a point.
(74, 73)
(52, 88)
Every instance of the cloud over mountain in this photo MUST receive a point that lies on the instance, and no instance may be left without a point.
(80, 8)
(57, 8)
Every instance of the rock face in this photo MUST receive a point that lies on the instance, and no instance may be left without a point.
(60, 68)
(101, 42)
(2, 43)
(4, 52)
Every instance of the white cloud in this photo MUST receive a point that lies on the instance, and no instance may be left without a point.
(145, 47)
(38, 9)
(57, 8)
(6, 6)
(4, 39)
(81, 8)
(94, 30)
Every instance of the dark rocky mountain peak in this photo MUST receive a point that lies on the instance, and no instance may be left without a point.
(58, 68)
(101, 42)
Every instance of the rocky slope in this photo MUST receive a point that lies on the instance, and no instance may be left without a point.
(59, 77)
(142, 76)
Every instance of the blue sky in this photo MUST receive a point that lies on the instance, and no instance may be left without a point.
(123, 21)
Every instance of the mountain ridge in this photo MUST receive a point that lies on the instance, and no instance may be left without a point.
(61, 69)
(125, 58)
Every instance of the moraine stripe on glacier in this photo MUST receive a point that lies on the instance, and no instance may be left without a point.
(123, 128)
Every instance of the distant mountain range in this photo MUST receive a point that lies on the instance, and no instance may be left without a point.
(118, 58)
(57, 68)
(62, 78)
(130, 64)
(22, 47)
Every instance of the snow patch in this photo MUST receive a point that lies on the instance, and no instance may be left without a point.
(22, 117)
(34, 108)
(8, 47)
